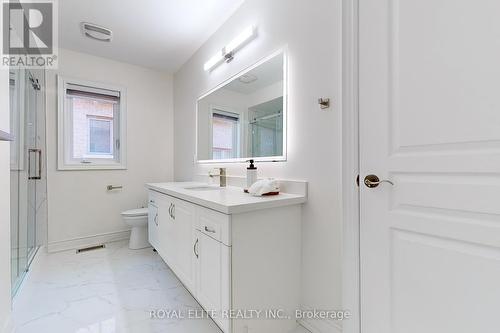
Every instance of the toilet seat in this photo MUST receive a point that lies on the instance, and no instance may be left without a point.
(135, 212)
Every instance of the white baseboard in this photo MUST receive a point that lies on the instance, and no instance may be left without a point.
(321, 326)
(77, 243)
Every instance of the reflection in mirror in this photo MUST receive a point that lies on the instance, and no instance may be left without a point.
(245, 118)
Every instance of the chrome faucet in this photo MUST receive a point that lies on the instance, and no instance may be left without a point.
(221, 175)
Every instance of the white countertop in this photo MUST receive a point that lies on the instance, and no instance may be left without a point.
(227, 200)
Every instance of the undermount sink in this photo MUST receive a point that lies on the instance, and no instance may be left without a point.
(203, 188)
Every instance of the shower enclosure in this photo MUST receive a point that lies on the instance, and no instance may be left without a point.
(28, 185)
(266, 129)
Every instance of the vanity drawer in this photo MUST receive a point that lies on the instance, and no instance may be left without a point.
(213, 224)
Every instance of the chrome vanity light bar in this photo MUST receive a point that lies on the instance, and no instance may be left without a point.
(228, 51)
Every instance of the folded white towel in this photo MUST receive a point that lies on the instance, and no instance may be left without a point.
(264, 186)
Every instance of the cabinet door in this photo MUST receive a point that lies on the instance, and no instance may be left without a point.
(153, 223)
(166, 239)
(183, 215)
(213, 287)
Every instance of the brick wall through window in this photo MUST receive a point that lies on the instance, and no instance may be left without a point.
(83, 109)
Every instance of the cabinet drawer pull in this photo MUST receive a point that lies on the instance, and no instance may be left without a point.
(207, 229)
(156, 219)
(173, 211)
(195, 247)
(170, 210)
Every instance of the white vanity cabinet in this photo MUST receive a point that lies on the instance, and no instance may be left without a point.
(172, 235)
(242, 259)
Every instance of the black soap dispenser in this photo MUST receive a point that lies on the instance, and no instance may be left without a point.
(251, 174)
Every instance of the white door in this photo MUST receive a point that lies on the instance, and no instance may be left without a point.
(430, 122)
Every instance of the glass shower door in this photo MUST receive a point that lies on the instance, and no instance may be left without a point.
(27, 112)
(16, 169)
(34, 158)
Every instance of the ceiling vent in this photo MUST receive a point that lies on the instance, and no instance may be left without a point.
(247, 78)
(96, 32)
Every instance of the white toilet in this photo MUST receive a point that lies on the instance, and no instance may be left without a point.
(138, 220)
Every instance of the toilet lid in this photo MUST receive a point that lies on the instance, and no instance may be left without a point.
(136, 212)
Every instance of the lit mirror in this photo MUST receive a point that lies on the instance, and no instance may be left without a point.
(245, 117)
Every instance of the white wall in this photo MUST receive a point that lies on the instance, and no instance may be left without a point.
(79, 205)
(312, 32)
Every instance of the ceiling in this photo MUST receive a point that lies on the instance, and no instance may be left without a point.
(159, 34)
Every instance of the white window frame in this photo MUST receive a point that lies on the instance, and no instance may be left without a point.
(64, 135)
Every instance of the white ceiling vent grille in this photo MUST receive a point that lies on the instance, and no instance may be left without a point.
(96, 32)
(247, 78)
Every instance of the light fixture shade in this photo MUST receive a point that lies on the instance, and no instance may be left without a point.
(228, 51)
(214, 61)
(246, 35)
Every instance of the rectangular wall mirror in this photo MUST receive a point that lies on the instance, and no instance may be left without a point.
(245, 117)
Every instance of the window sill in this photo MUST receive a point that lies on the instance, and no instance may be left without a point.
(98, 157)
(88, 167)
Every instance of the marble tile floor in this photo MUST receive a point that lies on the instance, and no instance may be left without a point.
(110, 290)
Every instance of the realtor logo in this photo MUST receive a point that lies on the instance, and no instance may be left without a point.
(29, 34)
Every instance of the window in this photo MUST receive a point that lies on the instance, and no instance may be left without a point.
(100, 137)
(91, 125)
(225, 134)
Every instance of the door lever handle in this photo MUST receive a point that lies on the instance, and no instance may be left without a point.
(372, 181)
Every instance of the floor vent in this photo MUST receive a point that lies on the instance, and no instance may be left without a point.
(90, 248)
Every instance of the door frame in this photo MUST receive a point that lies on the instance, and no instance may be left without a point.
(351, 293)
